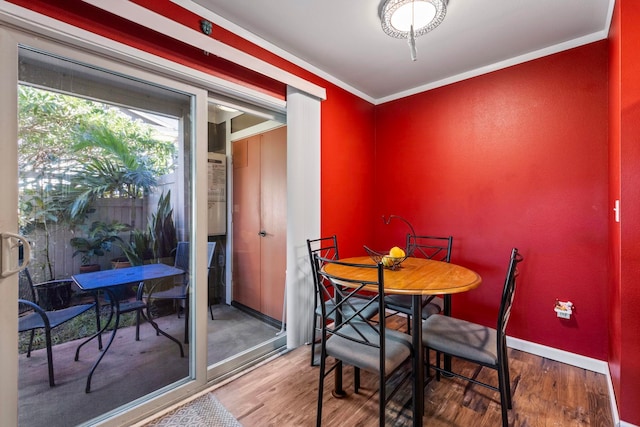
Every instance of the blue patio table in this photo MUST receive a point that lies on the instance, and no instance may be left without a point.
(108, 281)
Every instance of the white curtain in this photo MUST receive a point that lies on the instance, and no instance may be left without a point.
(303, 210)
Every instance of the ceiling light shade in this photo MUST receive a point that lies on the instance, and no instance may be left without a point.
(398, 16)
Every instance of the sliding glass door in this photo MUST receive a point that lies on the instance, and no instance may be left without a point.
(101, 172)
(104, 156)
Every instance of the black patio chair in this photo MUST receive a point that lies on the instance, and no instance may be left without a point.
(180, 292)
(33, 316)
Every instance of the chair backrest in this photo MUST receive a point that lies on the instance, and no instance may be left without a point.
(349, 322)
(430, 247)
(51, 295)
(26, 291)
(325, 248)
(211, 248)
(182, 257)
(508, 292)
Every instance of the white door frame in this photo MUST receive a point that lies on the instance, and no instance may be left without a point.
(8, 220)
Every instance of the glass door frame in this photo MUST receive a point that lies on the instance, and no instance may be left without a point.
(9, 43)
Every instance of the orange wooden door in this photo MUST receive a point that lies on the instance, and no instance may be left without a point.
(246, 222)
(259, 222)
(274, 221)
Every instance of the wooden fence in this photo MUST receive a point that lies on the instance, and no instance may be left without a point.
(63, 264)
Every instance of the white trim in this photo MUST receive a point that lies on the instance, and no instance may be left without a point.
(9, 221)
(595, 365)
(249, 36)
(612, 401)
(497, 66)
(149, 19)
(255, 130)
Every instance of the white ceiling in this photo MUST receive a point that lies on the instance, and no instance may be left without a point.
(342, 40)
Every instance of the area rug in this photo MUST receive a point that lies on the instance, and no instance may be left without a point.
(206, 410)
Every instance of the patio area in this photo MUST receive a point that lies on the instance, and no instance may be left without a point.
(129, 370)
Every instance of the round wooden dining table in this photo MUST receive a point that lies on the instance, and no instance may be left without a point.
(416, 277)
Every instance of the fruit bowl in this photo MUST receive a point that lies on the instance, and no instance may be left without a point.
(392, 263)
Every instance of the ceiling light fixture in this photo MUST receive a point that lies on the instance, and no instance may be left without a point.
(408, 19)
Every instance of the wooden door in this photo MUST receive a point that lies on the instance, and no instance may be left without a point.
(274, 221)
(259, 222)
(246, 222)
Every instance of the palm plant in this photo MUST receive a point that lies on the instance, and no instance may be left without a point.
(117, 172)
(98, 240)
(139, 248)
(162, 228)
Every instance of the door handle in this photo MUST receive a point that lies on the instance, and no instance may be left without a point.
(7, 247)
(262, 233)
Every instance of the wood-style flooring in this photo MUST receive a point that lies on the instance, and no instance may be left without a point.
(283, 392)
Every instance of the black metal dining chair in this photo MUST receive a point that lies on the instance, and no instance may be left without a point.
(35, 315)
(350, 338)
(476, 343)
(327, 248)
(429, 247)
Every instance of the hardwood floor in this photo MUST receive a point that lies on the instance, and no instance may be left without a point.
(546, 393)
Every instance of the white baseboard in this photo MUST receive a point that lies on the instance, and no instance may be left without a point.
(573, 359)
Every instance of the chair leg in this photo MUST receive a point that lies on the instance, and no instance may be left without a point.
(408, 324)
(504, 404)
(382, 395)
(505, 368)
(138, 325)
(320, 390)
(314, 330)
(356, 379)
(33, 333)
(211, 311)
(98, 327)
(47, 334)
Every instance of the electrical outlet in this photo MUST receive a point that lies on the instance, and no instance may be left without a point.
(563, 309)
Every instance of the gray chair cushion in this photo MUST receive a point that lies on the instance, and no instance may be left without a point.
(397, 348)
(402, 303)
(461, 338)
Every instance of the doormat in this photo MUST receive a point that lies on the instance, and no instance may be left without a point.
(203, 411)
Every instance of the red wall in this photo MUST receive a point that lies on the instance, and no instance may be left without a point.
(518, 158)
(626, 88)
